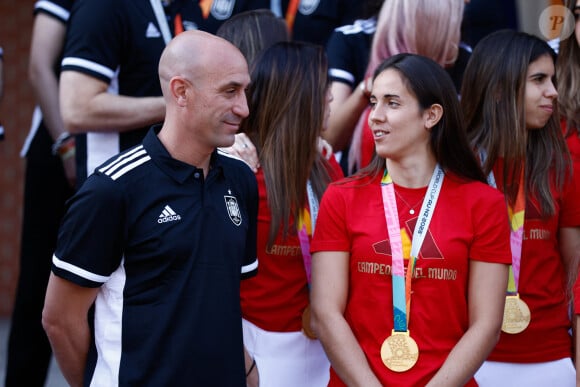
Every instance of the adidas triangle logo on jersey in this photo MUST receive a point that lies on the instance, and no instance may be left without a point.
(152, 31)
(168, 215)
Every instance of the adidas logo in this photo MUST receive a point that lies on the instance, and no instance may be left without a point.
(168, 215)
(152, 31)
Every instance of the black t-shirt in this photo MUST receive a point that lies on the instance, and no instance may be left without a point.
(316, 19)
(167, 247)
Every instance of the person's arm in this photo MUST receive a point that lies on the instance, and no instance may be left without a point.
(346, 109)
(86, 105)
(328, 295)
(486, 299)
(48, 34)
(65, 321)
(46, 45)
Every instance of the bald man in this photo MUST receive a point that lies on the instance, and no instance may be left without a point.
(144, 289)
(109, 92)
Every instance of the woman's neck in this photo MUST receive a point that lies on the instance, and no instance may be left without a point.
(412, 173)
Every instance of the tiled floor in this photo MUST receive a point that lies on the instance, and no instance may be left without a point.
(55, 378)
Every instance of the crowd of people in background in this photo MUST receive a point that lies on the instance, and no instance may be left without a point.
(299, 193)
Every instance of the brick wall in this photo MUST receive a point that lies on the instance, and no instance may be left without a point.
(15, 113)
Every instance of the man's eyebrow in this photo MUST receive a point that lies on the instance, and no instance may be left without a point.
(233, 84)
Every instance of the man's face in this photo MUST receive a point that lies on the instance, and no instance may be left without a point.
(220, 102)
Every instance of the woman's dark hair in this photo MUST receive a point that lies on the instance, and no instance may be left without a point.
(493, 101)
(253, 31)
(430, 84)
(287, 102)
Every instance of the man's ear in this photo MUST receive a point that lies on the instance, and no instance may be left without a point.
(432, 115)
(178, 87)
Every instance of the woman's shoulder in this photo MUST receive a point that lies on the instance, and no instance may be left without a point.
(473, 188)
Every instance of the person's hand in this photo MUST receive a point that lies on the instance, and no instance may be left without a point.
(65, 147)
(245, 150)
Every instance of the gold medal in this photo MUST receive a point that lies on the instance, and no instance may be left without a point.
(399, 352)
(306, 328)
(516, 315)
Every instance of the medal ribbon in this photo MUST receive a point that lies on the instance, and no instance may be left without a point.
(516, 216)
(401, 281)
(291, 14)
(306, 224)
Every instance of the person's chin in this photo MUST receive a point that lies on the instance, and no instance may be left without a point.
(537, 125)
(227, 141)
(382, 151)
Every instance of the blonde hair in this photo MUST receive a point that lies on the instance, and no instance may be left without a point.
(431, 28)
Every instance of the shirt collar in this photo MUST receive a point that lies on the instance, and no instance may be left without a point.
(177, 170)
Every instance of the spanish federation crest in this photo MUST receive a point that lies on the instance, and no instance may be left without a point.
(233, 209)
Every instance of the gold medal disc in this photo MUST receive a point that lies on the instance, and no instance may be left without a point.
(516, 315)
(399, 352)
(306, 328)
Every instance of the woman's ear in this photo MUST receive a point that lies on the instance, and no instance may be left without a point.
(432, 115)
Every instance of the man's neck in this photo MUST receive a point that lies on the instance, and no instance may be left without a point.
(185, 149)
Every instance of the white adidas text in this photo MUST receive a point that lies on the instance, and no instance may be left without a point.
(169, 219)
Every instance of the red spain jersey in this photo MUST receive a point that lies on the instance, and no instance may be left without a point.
(469, 222)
